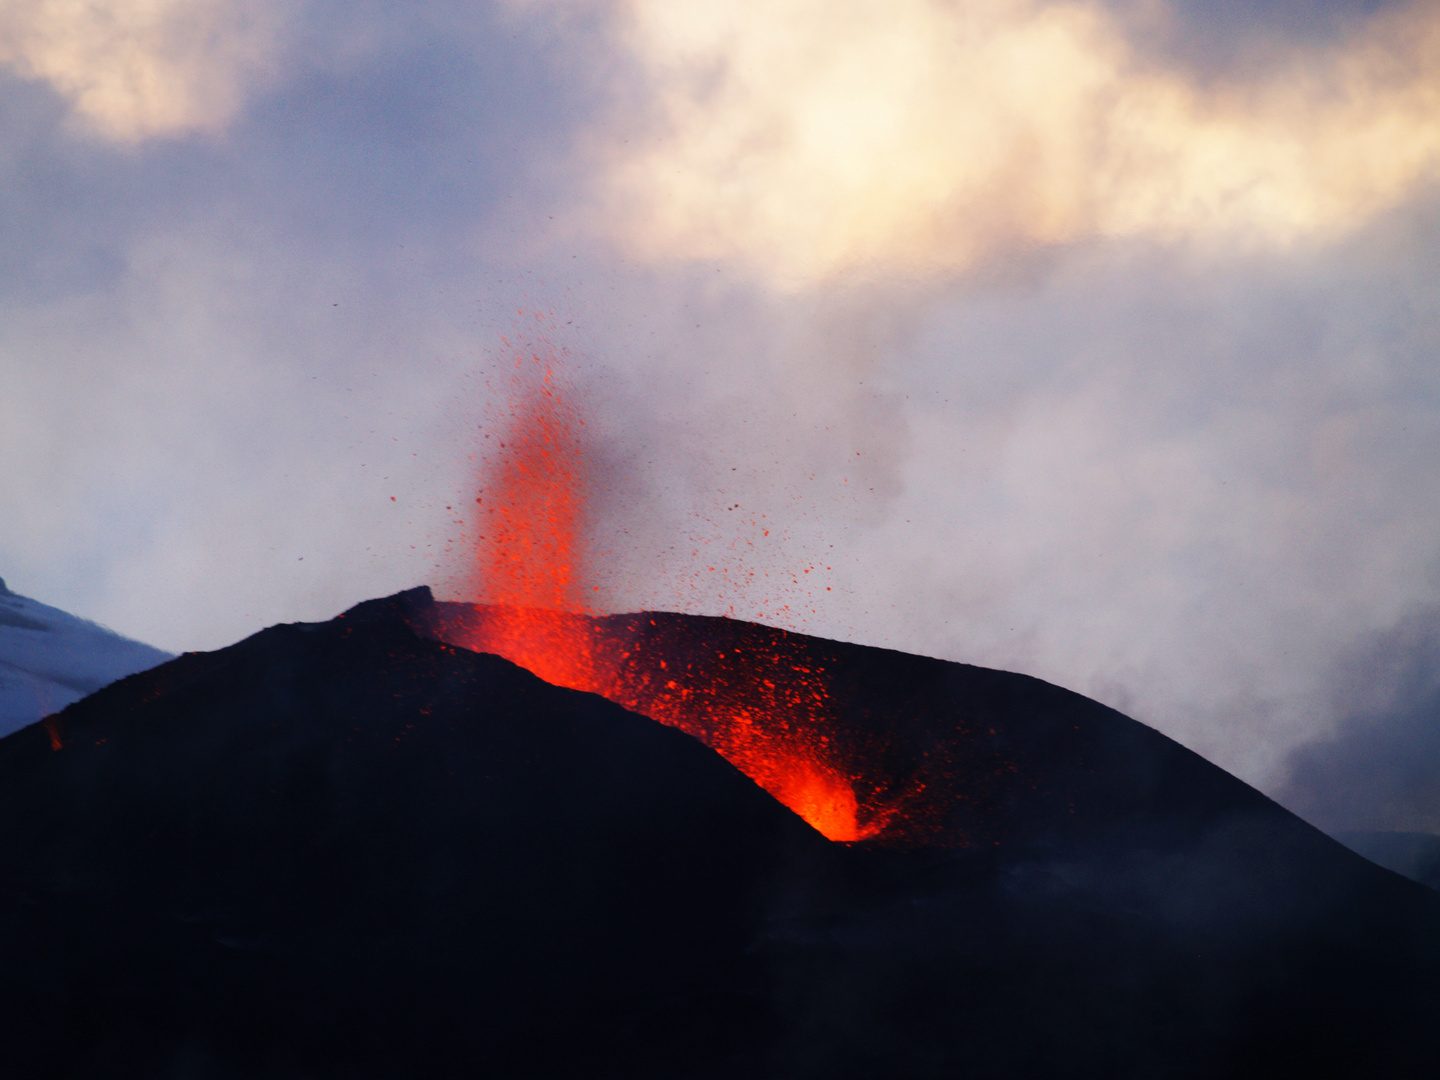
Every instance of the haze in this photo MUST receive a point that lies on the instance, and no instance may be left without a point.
(1096, 341)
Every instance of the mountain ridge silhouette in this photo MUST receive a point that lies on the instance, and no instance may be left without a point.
(345, 849)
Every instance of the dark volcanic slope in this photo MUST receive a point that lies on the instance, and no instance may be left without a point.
(343, 849)
(948, 754)
(346, 851)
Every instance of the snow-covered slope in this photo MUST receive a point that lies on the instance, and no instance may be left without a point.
(49, 658)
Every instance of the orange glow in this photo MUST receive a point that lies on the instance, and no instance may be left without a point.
(768, 715)
(529, 512)
(737, 687)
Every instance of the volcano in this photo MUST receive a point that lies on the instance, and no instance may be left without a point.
(360, 849)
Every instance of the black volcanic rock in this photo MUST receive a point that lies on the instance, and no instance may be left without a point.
(969, 757)
(343, 850)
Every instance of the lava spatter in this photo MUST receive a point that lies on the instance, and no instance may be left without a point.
(769, 720)
(766, 712)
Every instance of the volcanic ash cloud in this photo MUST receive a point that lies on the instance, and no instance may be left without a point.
(137, 69)
(808, 139)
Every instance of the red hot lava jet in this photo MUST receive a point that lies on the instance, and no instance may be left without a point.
(762, 705)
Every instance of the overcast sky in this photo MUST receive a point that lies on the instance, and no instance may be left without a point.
(1096, 341)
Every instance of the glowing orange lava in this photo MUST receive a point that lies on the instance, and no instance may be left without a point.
(764, 709)
(530, 510)
(768, 715)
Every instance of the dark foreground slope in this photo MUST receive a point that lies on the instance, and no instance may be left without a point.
(342, 850)
(345, 851)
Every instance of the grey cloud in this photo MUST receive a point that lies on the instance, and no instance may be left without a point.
(711, 406)
(132, 71)
(977, 131)
(1179, 486)
(217, 347)
(1220, 38)
(1380, 770)
(386, 126)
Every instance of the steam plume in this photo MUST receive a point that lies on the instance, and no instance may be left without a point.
(807, 139)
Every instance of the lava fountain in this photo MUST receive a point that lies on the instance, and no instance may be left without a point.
(767, 712)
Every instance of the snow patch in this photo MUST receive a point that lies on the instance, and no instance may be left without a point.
(50, 658)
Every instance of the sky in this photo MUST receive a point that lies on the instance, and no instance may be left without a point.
(1092, 340)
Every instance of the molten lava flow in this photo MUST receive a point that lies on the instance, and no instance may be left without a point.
(768, 716)
(766, 709)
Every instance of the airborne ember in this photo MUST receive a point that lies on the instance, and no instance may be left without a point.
(769, 715)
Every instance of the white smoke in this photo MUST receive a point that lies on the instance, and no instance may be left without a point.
(137, 69)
